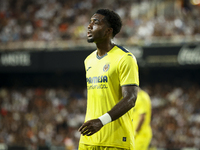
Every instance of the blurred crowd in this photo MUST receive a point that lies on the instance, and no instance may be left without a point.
(41, 117)
(175, 115)
(47, 20)
(52, 116)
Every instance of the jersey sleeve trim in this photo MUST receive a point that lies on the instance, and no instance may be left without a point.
(130, 84)
(122, 48)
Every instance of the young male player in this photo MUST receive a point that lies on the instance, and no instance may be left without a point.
(112, 85)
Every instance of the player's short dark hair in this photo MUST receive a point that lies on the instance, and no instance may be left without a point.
(112, 18)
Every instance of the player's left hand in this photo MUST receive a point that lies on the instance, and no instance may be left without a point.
(90, 127)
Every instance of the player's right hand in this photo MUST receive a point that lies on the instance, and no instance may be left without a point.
(90, 127)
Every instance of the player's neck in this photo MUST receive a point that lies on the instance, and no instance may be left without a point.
(102, 49)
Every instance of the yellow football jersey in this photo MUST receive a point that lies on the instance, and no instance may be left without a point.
(105, 75)
(143, 105)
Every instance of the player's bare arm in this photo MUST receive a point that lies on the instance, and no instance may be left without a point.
(129, 94)
(129, 97)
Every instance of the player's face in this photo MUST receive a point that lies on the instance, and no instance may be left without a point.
(97, 29)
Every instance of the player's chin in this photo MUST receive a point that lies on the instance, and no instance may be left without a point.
(90, 40)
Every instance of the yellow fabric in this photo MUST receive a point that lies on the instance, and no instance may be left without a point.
(94, 147)
(105, 76)
(142, 142)
(142, 106)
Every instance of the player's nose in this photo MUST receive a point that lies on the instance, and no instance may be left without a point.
(90, 26)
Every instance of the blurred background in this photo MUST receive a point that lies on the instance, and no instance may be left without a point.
(42, 77)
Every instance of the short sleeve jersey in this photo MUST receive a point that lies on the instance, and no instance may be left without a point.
(105, 76)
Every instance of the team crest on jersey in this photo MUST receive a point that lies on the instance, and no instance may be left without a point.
(106, 67)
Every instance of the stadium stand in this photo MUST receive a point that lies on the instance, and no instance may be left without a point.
(145, 22)
(50, 115)
(43, 92)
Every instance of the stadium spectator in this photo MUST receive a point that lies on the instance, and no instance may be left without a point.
(49, 20)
